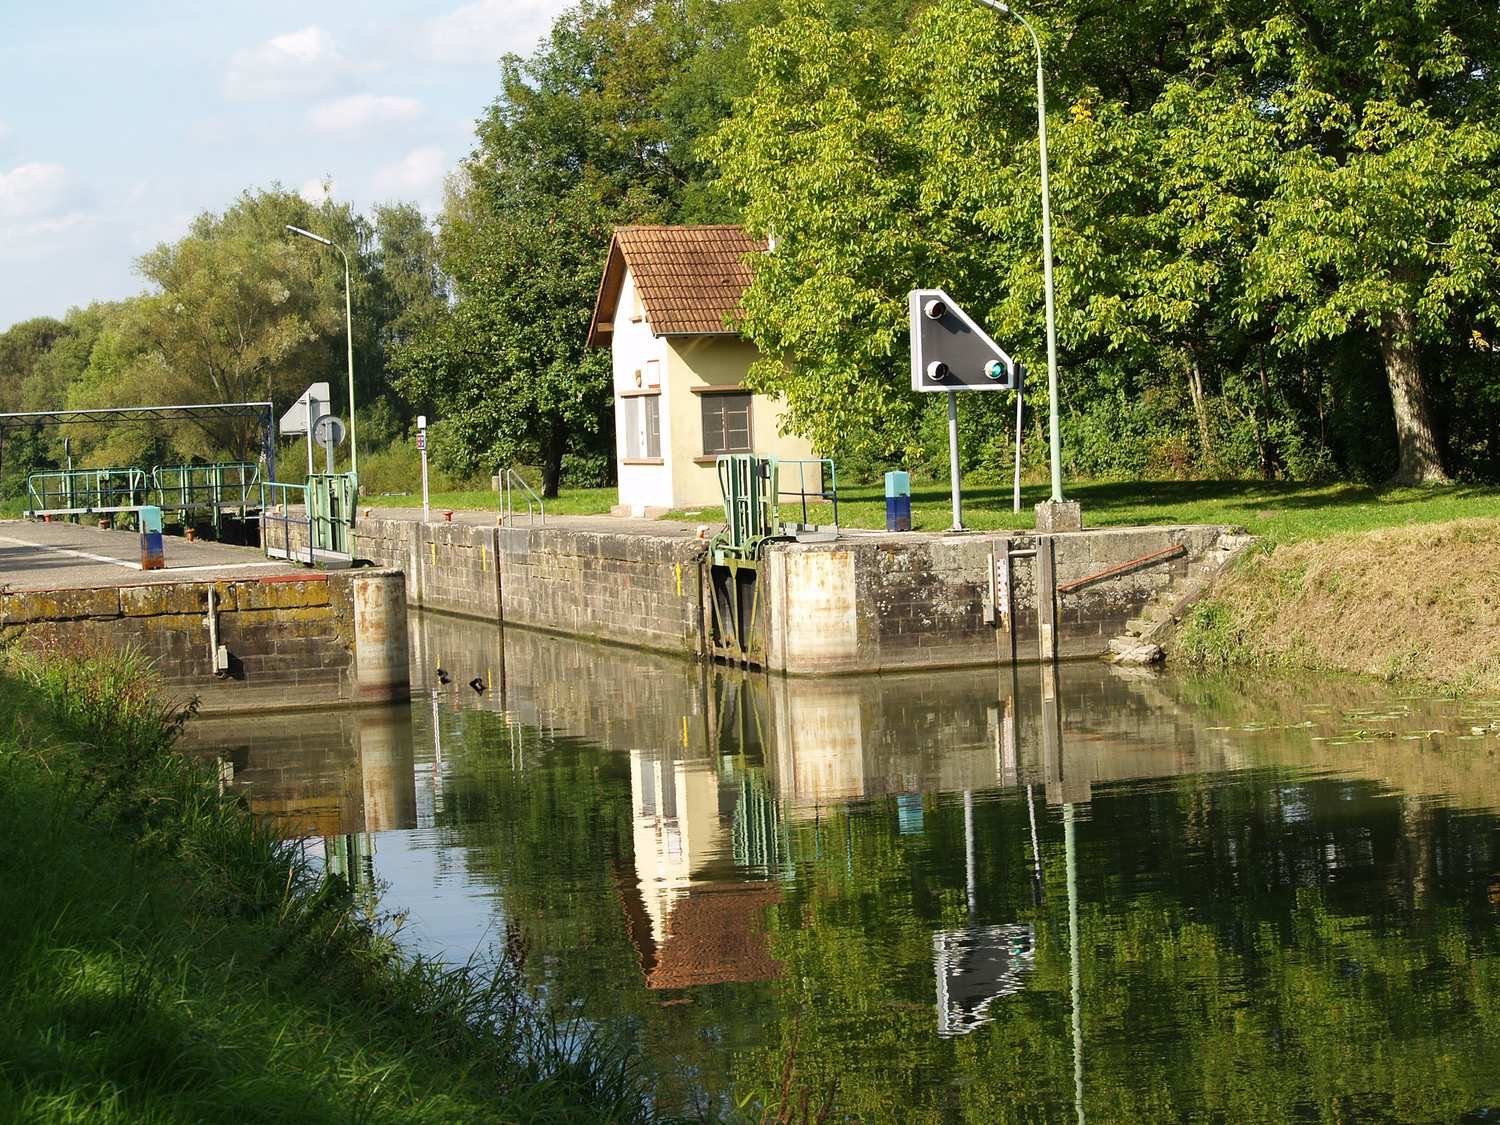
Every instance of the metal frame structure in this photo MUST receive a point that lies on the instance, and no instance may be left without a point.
(176, 413)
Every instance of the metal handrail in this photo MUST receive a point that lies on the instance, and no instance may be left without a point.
(275, 507)
(85, 491)
(830, 493)
(509, 479)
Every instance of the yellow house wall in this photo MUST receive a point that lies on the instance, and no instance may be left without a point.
(713, 361)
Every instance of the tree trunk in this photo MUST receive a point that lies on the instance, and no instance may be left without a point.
(552, 458)
(1421, 462)
(1200, 407)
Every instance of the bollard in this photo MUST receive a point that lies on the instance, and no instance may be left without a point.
(898, 501)
(152, 556)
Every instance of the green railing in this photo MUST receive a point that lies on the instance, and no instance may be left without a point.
(78, 492)
(216, 489)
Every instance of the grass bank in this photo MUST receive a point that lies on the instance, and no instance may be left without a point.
(164, 958)
(1281, 511)
(1418, 604)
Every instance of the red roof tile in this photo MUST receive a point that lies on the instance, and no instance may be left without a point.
(690, 279)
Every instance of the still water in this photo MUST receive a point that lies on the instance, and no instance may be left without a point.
(957, 896)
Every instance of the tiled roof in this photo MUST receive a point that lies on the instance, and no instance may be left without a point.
(690, 279)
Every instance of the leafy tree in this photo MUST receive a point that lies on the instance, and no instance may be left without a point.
(22, 346)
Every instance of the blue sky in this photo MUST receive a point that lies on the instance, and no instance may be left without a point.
(120, 122)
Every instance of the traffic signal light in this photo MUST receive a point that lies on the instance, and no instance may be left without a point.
(950, 352)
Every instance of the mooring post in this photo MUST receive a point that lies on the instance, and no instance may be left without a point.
(1046, 598)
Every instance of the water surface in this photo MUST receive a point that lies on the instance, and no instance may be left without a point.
(957, 896)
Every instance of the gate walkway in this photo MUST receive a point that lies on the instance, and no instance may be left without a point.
(47, 556)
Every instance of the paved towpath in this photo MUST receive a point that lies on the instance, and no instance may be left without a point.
(618, 525)
(54, 556)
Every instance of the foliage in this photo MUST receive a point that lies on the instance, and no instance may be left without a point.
(1254, 214)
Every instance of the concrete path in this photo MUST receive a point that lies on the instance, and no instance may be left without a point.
(617, 525)
(50, 556)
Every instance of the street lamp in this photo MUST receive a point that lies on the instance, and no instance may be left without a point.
(349, 330)
(1041, 121)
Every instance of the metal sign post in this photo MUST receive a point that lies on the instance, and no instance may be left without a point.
(958, 504)
(422, 448)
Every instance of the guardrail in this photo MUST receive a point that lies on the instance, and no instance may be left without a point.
(824, 493)
(510, 480)
(276, 509)
(79, 492)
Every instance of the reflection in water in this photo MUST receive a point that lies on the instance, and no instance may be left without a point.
(966, 895)
(342, 775)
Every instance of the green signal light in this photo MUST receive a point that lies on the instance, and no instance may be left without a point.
(995, 369)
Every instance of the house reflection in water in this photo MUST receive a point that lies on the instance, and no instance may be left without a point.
(689, 926)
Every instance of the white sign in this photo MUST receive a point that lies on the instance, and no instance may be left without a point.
(308, 409)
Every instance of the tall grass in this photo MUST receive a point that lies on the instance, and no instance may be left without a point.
(166, 958)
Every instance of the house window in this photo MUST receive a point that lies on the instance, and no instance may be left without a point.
(642, 420)
(726, 424)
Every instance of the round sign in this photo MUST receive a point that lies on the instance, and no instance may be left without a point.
(328, 431)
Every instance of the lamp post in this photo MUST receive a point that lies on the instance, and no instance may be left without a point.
(349, 332)
(1041, 121)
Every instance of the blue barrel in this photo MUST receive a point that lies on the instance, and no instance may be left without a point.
(898, 501)
(152, 555)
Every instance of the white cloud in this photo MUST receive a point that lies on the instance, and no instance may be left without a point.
(299, 62)
(362, 112)
(417, 175)
(29, 190)
(484, 30)
(317, 190)
(36, 211)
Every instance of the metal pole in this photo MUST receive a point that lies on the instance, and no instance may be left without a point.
(958, 516)
(422, 441)
(1016, 490)
(1054, 438)
(349, 327)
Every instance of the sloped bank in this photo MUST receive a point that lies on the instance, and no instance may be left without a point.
(1419, 604)
(165, 958)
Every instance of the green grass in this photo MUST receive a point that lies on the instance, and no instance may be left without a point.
(164, 958)
(1282, 512)
(570, 501)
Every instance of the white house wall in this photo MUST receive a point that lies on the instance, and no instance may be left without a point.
(633, 348)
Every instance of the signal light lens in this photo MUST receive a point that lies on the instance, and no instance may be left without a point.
(995, 369)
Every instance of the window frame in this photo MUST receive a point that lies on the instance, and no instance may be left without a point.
(715, 400)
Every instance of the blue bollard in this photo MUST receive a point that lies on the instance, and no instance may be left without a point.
(897, 501)
(152, 555)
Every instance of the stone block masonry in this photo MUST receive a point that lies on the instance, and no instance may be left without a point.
(309, 639)
(880, 603)
(632, 589)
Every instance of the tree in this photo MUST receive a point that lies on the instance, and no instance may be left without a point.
(239, 313)
(1244, 206)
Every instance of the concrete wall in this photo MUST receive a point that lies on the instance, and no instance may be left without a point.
(640, 360)
(632, 589)
(314, 639)
(892, 602)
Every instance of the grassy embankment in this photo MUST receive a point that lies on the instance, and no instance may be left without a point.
(1419, 604)
(164, 958)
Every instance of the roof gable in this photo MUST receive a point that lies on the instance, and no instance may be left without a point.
(690, 279)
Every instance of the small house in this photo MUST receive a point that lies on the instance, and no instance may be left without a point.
(665, 304)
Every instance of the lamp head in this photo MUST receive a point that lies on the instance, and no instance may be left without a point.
(309, 234)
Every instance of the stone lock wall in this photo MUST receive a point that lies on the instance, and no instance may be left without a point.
(889, 602)
(632, 589)
(309, 639)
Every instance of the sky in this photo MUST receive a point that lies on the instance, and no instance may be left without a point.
(119, 122)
